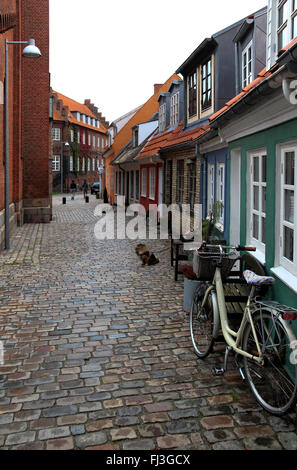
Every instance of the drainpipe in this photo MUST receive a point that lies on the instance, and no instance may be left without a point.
(204, 176)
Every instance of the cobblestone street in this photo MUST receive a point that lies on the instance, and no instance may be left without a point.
(98, 352)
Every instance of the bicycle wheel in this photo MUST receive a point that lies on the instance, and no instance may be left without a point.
(202, 322)
(273, 383)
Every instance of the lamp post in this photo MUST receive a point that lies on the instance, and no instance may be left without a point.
(30, 51)
(64, 144)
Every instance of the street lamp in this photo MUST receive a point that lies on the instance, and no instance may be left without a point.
(64, 144)
(30, 51)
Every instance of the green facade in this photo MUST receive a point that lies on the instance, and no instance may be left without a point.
(268, 139)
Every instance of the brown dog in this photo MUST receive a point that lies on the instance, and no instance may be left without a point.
(146, 257)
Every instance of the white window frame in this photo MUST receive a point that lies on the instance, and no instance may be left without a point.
(251, 211)
(71, 135)
(174, 109)
(84, 138)
(211, 187)
(152, 183)
(137, 185)
(282, 223)
(287, 23)
(89, 140)
(132, 185)
(93, 164)
(78, 164)
(89, 164)
(162, 117)
(221, 181)
(78, 136)
(70, 163)
(144, 182)
(56, 134)
(83, 165)
(247, 77)
(56, 163)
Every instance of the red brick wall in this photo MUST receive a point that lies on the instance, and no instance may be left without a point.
(35, 104)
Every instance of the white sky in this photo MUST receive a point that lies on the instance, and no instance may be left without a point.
(113, 51)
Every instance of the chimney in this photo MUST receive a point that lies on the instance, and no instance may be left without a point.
(157, 87)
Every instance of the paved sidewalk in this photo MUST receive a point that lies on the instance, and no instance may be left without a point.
(98, 352)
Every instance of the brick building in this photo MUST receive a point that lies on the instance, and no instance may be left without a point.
(84, 131)
(29, 188)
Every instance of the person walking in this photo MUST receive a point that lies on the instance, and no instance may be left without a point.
(72, 189)
(85, 188)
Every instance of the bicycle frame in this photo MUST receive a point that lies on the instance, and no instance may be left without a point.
(232, 338)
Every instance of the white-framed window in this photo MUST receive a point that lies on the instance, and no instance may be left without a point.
(56, 134)
(84, 137)
(94, 141)
(162, 117)
(83, 118)
(89, 139)
(98, 142)
(56, 163)
(93, 164)
(71, 163)
(257, 182)
(288, 209)
(152, 183)
(83, 165)
(89, 164)
(174, 109)
(144, 182)
(78, 136)
(71, 135)
(78, 164)
(221, 192)
(286, 22)
(247, 65)
(211, 187)
(180, 181)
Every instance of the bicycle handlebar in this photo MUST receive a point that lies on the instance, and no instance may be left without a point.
(237, 248)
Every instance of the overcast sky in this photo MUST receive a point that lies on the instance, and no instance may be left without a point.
(113, 52)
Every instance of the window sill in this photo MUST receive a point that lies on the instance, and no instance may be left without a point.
(259, 256)
(286, 277)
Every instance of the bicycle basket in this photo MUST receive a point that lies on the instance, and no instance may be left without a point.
(206, 264)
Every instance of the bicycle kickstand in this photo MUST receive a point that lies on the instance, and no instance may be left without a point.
(218, 371)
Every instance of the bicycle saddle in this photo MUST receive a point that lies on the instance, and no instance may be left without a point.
(255, 280)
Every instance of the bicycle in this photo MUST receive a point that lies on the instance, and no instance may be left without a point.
(264, 339)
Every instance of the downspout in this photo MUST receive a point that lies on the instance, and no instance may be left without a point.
(204, 176)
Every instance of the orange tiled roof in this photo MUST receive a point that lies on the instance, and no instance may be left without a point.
(142, 115)
(260, 78)
(82, 108)
(170, 138)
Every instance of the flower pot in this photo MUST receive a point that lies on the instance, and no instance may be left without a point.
(189, 289)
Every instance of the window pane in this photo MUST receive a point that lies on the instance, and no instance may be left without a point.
(264, 199)
(282, 38)
(289, 168)
(256, 169)
(282, 14)
(256, 227)
(256, 198)
(289, 244)
(264, 175)
(263, 230)
(289, 206)
(294, 27)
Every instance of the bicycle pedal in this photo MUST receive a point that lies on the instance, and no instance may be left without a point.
(218, 371)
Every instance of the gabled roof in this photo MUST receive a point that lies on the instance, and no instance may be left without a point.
(74, 106)
(144, 114)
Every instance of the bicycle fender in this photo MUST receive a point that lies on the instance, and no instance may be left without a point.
(216, 315)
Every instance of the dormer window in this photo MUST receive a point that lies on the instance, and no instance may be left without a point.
(286, 22)
(162, 117)
(83, 118)
(174, 109)
(247, 65)
(135, 137)
(193, 94)
(206, 85)
(78, 116)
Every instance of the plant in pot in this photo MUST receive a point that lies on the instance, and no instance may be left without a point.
(209, 231)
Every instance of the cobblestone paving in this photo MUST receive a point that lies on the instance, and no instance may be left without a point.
(98, 353)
